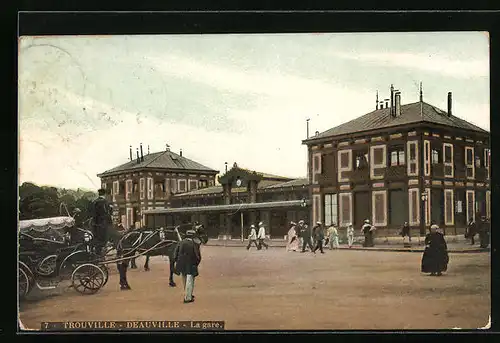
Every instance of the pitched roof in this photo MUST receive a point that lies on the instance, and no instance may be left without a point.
(264, 184)
(410, 113)
(160, 160)
(293, 183)
(266, 175)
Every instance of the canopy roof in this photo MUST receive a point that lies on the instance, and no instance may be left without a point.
(232, 207)
(43, 224)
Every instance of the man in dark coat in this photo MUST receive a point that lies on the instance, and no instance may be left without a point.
(101, 211)
(471, 230)
(484, 233)
(187, 258)
(405, 232)
(305, 234)
(319, 235)
(435, 258)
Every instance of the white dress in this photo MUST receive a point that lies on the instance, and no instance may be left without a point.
(293, 240)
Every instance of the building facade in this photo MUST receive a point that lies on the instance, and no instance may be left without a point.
(413, 162)
(150, 181)
(243, 197)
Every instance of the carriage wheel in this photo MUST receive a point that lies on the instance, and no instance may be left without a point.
(23, 283)
(72, 261)
(88, 278)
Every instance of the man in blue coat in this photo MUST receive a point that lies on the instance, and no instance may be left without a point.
(187, 258)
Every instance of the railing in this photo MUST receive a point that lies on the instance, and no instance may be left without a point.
(460, 173)
(481, 174)
(437, 170)
(327, 180)
(395, 172)
(160, 195)
(359, 175)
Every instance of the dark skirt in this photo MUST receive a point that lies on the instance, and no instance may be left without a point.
(434, 260)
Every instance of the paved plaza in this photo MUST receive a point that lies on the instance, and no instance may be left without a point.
(274, 289)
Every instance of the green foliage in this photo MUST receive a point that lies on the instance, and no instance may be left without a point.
(43, 201)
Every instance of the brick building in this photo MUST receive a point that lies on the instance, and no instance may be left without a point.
(150, 181)
(411, 162)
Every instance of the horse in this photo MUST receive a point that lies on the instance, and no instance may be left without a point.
(152, 242)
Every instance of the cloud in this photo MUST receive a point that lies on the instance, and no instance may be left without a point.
(69, 157)
(426, 62)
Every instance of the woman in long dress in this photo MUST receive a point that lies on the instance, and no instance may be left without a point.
(333, 237)
(293, 239)
(435, 258)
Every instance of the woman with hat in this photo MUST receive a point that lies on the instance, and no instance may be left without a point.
(435, 258)
(350, 235)
(252, 237)
(367, 230)
(293, 241)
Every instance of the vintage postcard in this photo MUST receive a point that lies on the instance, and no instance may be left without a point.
(334, 181)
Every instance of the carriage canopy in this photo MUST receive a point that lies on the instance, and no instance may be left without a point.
(43, 224)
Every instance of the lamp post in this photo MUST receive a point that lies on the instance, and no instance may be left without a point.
(424, 198)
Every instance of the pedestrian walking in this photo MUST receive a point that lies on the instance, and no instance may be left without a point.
(350, 235)
(405, 232)
(187, 259)
(262, 236)
(484, 233)
(252, 237)
(333, 237)
(305, 233)
(367, 230)
(471, 230)
(293, 239)
(435, 258)
(319, 234)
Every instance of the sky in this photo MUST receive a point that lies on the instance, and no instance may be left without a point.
(244, 98)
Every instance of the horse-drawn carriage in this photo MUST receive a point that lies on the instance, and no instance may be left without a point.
(48, 255)
(53, 249)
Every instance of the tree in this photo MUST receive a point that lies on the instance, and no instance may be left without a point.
(42, 202)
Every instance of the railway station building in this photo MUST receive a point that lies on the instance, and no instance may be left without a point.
(166, 189)
(401, 162)
(242, 197)
(149, 181)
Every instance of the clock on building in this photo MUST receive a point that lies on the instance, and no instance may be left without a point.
(238, 182)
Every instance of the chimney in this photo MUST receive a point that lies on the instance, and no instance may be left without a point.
(397, 109)
(131, 152)
(376, 102)
(167, 147)
(148, 149)
(138, 159)
(392, 100)
(142, 155)
(381, 105)
(180, 154)
(386, 103)
(449, 104)
(316, 133)
(421, 93)
(225, 163)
